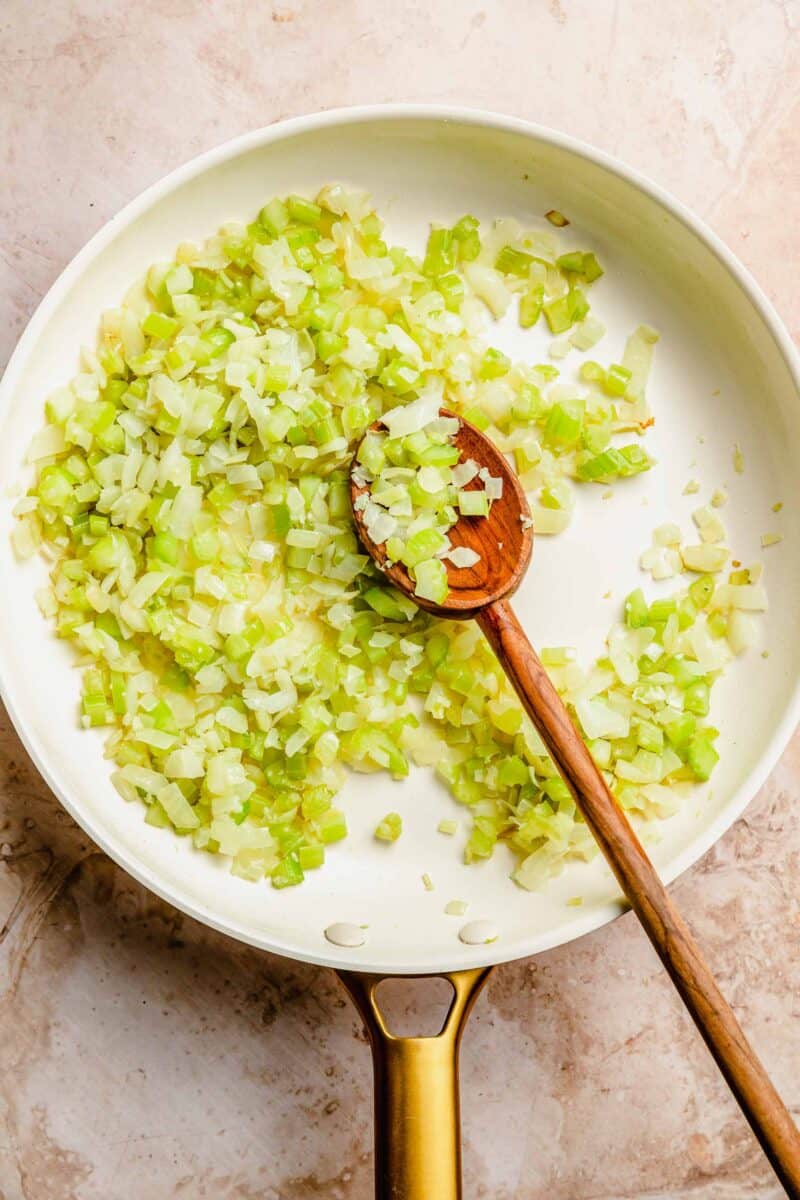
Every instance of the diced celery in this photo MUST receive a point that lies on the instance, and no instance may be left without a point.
(439, 253)
(332, 826)
(390, 828)
(274, 217)
(494, 364)
(636, 609)
(426, 543)
(305, 211)
(530, 305)
(165, 547)
(430, 581)
(192, 497)
(159, 325)
(474, 503)
(387, 603)
(310, 858)
(288, 872)
(565, 422)
(701, 756)
(513, 262)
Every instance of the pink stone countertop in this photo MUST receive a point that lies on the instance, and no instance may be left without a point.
(143, 1057)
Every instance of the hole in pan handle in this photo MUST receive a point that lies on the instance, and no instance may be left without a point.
(417, 1121)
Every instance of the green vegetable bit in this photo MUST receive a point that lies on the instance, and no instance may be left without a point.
(240, 652)
(390, 828)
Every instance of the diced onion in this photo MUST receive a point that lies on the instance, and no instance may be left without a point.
(191, 496)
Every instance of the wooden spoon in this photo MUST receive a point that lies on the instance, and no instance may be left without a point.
(504, 541)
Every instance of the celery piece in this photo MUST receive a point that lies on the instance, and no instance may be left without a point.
(513, 772)
(274, 217)
(430, 581)
(557, 656)
(530, 305)
(214, 341)
(310, 858)
(400, 376)
(439, 253)
(426, 543)
(302, 210)
(390, 828)
(559, 314)
(494, 364)
(636, 610)
(591, 268)
(55, 486)
(701, 756)
(327, 277)
(592, 372)
(276, 377)
(564, 423)
(513, 262)
(473, 503)
(332, 826)
(573, 262)
(563, 312)
(451, 287)
(696, 698)
(385, 602)
(329, 345)
(118, 693)
(579, 262)
(477, 417)
(467, 237)
(616, 379)
(165, 547)
(660, 611)
(159, 325)
(288, 872)
(604, 467)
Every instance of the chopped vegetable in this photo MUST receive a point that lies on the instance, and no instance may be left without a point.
(390, 828)
(704, 558)
(239, 650)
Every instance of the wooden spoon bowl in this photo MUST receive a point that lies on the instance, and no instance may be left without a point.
(504, 539)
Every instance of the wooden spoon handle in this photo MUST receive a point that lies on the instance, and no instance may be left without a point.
(769, 1118)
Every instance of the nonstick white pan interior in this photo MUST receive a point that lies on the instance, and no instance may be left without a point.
(725, 373)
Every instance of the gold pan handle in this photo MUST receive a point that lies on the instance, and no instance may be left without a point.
(417, 1122)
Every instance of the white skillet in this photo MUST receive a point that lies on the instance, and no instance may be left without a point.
(725, 373)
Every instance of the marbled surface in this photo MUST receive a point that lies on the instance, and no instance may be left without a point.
(142, 1056)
